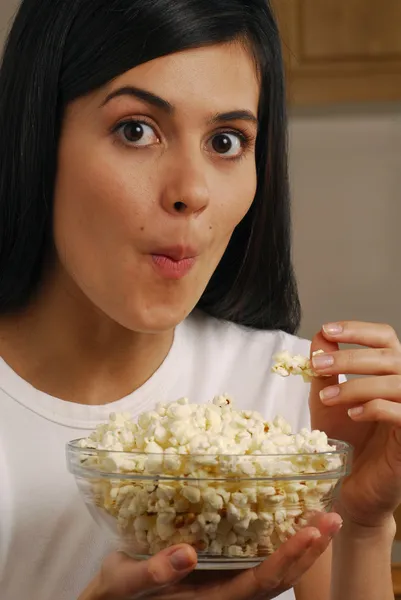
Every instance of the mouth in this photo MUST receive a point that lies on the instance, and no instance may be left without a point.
(174, 262)
(176, 253)
(172, 269)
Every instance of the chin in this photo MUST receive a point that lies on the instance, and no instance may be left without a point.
(156, 319)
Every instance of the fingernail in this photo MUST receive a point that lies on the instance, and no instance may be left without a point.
(322, 361)
(329, 393)
(181, 560)
(333, 328)
(354, 412)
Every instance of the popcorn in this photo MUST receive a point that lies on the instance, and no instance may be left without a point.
(210, 496)
(226, 481)
(192, 494)
(286, 364)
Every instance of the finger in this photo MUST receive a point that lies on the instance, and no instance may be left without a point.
(363, 390)
(374, 335)
(320, 343)
(326, 523)
(383, 361)
(267, 577)
(267, 580)
(124, 577)
(302, 566)
(381, 411)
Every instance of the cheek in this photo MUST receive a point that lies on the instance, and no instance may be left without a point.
(96, 206)
(237, 199)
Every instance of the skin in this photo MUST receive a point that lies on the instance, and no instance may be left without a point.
(373, 491)
(115, 316)
(108, 219)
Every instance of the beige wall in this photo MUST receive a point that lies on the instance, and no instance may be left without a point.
(7, 9)
(346, 182)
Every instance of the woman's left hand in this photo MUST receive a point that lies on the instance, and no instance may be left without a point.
(365, 412)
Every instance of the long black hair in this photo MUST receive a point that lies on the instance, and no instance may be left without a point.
(60, 50)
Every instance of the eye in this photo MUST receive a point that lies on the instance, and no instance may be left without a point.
(230, 145)
(137, 133)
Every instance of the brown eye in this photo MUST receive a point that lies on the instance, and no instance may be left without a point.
(133, 132)
(137, 133)
(228, 144)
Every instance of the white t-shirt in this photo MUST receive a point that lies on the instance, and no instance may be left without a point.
(49, 545)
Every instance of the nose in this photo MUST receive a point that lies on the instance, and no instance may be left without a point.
(185, 190)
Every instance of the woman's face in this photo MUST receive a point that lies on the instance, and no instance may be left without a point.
(155, 171)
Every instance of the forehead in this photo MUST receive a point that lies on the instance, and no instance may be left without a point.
(212, 77)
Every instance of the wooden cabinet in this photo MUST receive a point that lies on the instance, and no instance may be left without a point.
(341, 50)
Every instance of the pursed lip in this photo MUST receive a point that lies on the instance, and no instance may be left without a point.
(176, 253)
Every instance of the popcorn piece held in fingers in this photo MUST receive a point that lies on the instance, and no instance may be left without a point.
(287, 364)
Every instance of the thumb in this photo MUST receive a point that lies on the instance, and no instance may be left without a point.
(123, 577)
(319, 342)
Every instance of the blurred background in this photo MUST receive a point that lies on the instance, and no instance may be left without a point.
(343, 60)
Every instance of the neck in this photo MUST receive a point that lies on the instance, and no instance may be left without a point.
(64, 346)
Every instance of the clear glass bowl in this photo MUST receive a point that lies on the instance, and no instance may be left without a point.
(234, 510)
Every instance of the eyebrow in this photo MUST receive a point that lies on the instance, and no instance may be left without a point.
(165, 106)
(141, 95)
(234, 115)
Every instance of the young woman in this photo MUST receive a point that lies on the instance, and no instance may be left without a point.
(144, 256)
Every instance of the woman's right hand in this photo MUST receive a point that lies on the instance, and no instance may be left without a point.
(168, 575)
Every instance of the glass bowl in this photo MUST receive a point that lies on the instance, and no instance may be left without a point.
(234, 510)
